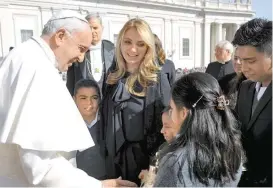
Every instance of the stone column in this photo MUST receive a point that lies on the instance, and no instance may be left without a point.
(212, 41)
(230, 33)
(219, 32)
(175, 43)
(235, 28)
(206, 45)
(224, 33)
(168, 38)
(197, 45)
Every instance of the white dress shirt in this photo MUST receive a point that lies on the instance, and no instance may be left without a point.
(96, 61)
(260, 90)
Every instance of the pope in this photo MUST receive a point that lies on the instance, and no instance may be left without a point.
(40, 126)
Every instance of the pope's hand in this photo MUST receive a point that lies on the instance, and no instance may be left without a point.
(117, 183)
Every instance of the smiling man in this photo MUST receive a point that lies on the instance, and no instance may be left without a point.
(254, 105)
(40, 126)
(97, 60)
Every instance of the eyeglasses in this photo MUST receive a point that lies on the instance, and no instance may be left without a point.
(81, 48)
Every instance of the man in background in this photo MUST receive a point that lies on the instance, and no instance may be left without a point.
(97, 61)
(223, 65)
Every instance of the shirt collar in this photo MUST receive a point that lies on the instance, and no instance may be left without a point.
(93, 122)
(48, 51)
(258, 86)
(46, 48)
(224, 63)
(98, 46)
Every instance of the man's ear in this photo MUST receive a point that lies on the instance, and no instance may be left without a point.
(60, 37)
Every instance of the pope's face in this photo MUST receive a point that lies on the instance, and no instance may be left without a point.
(71, 47)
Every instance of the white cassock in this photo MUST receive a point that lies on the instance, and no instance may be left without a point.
(40, 125)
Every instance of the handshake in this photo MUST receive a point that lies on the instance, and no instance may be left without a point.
(117, 183)
(148, 177)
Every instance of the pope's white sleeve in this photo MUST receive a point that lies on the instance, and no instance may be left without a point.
(46, 168)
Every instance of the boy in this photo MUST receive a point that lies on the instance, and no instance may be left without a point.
(87, 98)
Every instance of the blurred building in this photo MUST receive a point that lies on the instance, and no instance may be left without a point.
(189, 29)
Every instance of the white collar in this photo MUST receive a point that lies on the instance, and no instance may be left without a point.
(93, 122)
(258, 86)
(98, 46)
(48, 51)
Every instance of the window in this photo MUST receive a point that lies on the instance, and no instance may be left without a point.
(186, 47)
(115, 38)
(26, 34)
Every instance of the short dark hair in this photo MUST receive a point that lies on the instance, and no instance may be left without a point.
(87, 83)
(257, 33)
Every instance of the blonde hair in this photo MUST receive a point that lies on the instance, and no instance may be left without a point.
(148, 69)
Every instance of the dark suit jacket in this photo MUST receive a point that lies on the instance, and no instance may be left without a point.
(74, 72)
(256, 134)
(169, 69)
(92, 160)
(219, 70)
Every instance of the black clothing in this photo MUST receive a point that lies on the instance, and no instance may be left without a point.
(256, 135)
(132, 127)
(169, 69)
(219, 70)
(92, 160)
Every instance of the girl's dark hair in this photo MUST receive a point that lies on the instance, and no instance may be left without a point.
(87, 83)
(210, 136)
(159, 50)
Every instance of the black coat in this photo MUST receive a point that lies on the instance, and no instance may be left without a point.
(256, 135)
(92, 160)
(169, 69)
(219, 70)
(74, 72)
(125, 157)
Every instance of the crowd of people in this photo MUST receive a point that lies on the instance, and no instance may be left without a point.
(125, 119)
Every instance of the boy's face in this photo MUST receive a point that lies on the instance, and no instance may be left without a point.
(87, 101)
(167, 130)
(256, 66)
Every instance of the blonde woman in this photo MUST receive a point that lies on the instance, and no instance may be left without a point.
(136, 94)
